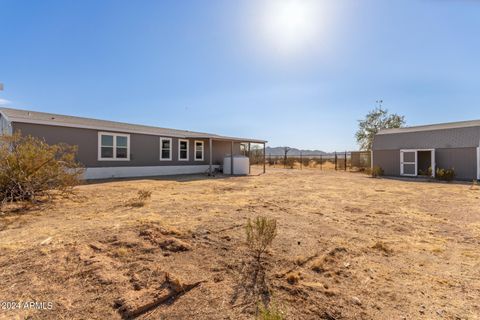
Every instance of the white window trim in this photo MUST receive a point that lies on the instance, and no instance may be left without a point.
(188, 149)
(203, 150)
(161, 149)
(432, 159)
(115, 135)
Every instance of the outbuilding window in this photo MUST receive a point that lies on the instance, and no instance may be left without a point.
(183, 150)
(165, 149)
(199, 150)
(113, 146)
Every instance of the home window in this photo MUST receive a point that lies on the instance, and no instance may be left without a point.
(183, 150)
(199, 150)
(113, 146)
(165, 149)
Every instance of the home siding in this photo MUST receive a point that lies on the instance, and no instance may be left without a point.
(144, 149)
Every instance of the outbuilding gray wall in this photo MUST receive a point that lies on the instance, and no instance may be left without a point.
(454, 148)
(463, 160)
(144, 149)
(468, 137)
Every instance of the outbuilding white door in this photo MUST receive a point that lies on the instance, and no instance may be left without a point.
(408, 163)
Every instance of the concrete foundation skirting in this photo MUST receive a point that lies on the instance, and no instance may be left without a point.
(150, 171)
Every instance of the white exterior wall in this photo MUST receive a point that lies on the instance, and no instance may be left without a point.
(130, 172)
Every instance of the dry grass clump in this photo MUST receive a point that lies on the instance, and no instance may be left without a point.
(31, 169)
(140, 200)
(318, 266)
(294, 277)
(382, 246)
(260, 233)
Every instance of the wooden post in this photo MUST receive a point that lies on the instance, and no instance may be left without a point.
(231, 159)
(345, 160)
(301, 161)
(321, 162)
(210, 151)
(249, 159)
(335, 160)
(264, 157)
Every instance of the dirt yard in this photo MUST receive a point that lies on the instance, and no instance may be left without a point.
(348, 247)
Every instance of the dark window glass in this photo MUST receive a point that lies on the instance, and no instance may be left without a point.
(198, 155)
(122, 142)
(122, 153)
(107, 141)
(165, 154)
(107, 152)
(183, 154)
(165, 144)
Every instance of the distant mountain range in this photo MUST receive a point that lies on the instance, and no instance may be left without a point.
(279, 151)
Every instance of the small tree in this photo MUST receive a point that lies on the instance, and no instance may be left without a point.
(374, 121)
(30, 168)
(260, 234)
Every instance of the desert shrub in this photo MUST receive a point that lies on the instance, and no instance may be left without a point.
(427, 172)
(290, 163)
(305, 162)
(260, 234)
(270, 313)
(474, 185)
(375, 172)
(445, 174)
(141, 199)
(31, 169)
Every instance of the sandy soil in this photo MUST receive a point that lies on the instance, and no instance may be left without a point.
(348, 247)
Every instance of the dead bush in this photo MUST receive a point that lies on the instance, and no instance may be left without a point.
(260, 233)
(31, 169)
(141, 199)
(474, 185)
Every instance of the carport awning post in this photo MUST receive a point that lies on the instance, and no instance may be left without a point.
(210, 156)
(231, 159)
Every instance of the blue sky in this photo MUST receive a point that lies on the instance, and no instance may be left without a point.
(244, 68)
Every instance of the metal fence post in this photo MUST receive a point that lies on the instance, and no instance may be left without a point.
(301, 161)
(335, 160)
(345, 160)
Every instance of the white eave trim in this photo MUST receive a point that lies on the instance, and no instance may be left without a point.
(5, 116)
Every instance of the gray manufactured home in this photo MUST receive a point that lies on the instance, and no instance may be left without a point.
(110, 149)
(411, 151)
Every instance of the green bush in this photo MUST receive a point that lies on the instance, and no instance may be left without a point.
(427, 172)
(270, 313)
(376, 172)
(445, 174)
(31, 169)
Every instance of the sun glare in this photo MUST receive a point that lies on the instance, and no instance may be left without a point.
(290, 25)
